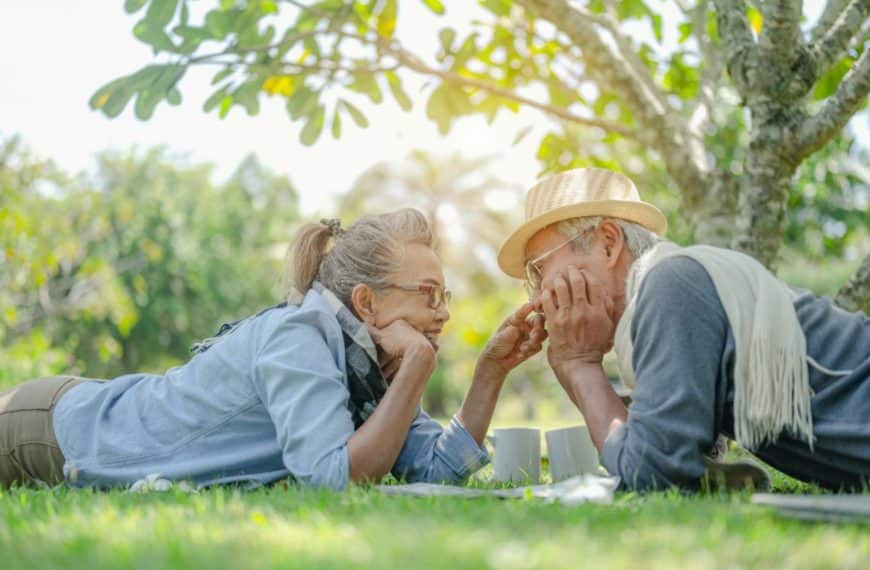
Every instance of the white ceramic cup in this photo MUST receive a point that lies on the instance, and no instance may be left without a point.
(571, 452)
(517, 455)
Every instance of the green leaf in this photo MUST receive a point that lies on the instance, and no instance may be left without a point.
(174, 96)
(218, 23)
(226, 103)
(756, 20)
(387, 19)
(114, 96)
(160, 12)
(685, 31)
(302, 102)
(153, 35)
(398, 93)
(248, 96)
(497, 7)
(656, 22)
(133, 6)
(165, 79)
(336, 124)
(366, 83)
(312, 129)
(435, 5)
(828, 83)
(215, 99)
(355, 114)
(446, 37)
(221, 75)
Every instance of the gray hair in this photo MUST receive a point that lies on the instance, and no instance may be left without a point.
(638, 239)
(366, 252)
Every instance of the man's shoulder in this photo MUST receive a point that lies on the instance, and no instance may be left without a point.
(679, 278)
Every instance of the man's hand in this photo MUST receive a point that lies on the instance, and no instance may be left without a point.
(578, 319)
(515, 341)
(399, 341)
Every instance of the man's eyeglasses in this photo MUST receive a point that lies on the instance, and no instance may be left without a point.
(437, 294)
(533, 267)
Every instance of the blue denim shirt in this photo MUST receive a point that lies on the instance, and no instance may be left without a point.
(265, 402)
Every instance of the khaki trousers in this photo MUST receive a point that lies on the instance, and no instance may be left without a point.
(29, 452)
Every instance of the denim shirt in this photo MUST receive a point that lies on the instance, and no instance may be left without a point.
(265, 402)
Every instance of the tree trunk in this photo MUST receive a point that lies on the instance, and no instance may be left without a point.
(713, 218)
(855, 294)
(764, 189)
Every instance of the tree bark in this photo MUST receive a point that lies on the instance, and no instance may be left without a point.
(855, 294)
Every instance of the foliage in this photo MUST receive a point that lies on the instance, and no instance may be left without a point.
(121, 271)
(329, 60)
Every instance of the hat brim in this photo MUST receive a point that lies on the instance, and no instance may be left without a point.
(512, 255)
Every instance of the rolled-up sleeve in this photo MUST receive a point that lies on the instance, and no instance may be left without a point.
(679, 335)
(435, 454)
(305, 394)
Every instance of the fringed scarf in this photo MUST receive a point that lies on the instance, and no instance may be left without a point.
(771, 381)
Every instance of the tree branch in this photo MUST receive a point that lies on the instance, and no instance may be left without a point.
(414, 63)
(855, 294)
(829, 16)
(708, 84)
(837, 110)
(779, 36)
(831, 46)
(684, 158)
(409, 60)
(739, 43)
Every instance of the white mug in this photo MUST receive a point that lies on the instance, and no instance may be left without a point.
(571, 452)
(517, 455)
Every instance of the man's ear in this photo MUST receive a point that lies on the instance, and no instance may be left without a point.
(613, 240)
(362, 299)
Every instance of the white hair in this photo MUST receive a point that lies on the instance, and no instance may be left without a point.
(638, 239)
(368, 251)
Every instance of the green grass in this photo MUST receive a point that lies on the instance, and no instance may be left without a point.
(289, 527)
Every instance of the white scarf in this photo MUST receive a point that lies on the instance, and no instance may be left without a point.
(771, 380)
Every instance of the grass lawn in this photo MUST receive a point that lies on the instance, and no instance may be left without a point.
(282, 528)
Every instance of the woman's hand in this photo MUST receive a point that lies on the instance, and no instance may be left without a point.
(578, 319)
(515, 341)
(398, 342)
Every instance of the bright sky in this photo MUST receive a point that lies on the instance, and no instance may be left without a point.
(56, 54)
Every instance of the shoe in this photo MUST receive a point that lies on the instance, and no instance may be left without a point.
(736, 476)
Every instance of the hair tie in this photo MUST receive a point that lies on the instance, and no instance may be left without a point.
(334, 225)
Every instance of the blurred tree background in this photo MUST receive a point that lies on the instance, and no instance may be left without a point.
(738, 141)
(123, 269)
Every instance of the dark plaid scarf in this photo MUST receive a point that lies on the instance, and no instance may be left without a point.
(365, 381)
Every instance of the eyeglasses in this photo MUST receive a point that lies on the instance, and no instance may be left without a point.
(533, 267)
(438, 295)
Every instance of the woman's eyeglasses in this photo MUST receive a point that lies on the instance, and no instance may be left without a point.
(437, 294)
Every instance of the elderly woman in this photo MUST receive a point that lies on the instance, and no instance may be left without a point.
(326, 391)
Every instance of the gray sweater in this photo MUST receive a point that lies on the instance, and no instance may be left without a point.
(684, 359)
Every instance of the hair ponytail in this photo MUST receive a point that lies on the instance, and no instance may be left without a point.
(305, 255)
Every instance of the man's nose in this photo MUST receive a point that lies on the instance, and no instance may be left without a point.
(442, 314)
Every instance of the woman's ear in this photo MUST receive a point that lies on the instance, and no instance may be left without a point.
(362, 299)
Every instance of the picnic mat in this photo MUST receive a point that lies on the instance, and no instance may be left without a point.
(831, 508)
(573, 491)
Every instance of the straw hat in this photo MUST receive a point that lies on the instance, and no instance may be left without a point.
(573, 194)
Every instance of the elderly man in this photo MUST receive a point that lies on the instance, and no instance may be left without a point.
(711, 342)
